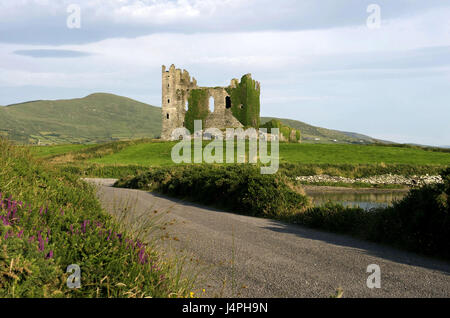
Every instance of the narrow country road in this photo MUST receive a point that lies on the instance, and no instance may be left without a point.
(240, 256)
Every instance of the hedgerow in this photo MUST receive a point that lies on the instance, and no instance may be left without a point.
(240, 188)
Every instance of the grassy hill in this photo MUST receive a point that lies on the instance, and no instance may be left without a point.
(104, 117)
(96, 118)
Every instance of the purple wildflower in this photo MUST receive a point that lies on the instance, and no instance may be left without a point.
(41, 242)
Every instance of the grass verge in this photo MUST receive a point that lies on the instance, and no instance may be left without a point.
(50, 220)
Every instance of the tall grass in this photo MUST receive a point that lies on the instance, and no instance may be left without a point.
(49, 220)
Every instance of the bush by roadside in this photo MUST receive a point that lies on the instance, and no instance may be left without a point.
(241, 188)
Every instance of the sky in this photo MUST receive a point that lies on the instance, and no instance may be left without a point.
(378, 67)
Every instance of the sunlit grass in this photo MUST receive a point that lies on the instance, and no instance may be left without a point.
(159, 154)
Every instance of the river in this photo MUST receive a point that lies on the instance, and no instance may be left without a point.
(364, 198)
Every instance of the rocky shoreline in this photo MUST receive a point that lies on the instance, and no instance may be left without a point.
(387, 179)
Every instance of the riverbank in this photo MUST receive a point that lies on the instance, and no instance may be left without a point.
(386, 179)
(318, 189)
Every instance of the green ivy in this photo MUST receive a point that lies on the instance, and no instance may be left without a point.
(286, 131)
(197, 108)
(245, 103)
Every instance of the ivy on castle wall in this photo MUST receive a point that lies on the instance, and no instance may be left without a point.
(290, 134)
(245, 103)
(198, 104)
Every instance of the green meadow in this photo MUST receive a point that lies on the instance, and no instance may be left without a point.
(123, 158)
(50, 151)
(159, 154)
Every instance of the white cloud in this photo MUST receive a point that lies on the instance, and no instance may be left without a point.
(161, 12)
(330, 77)
(261, 52)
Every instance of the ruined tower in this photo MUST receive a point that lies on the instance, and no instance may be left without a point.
(236, 105)
(176, 85)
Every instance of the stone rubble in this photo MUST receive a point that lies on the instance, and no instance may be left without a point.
(382, 179)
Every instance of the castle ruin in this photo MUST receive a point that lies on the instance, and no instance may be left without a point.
(237, 105)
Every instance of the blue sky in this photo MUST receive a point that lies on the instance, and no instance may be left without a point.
(317, 60)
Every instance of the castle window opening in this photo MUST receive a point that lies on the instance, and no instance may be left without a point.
(227, 102)
(211, 104)
(167, 115)
(168, 101)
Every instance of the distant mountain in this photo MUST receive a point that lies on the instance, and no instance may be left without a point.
(104, 117)
(94, 118)
(322, 135)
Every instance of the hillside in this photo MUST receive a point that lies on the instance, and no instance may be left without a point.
(95, 118)
(104, 117)
(322, 135)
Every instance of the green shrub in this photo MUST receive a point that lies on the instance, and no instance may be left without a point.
(241, 188)
(334, 217)
(286, 131)
(420, 222)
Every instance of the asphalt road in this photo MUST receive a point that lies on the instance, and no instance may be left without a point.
(240, 256)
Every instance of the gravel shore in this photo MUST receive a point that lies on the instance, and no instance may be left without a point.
(374, 180)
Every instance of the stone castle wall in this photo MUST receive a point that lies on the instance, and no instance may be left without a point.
(177, 88)
(176, 85)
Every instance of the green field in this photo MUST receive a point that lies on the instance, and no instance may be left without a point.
(159, 154)
(50, 151)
